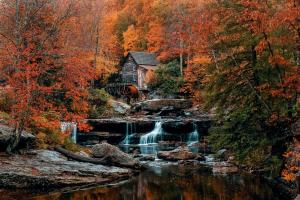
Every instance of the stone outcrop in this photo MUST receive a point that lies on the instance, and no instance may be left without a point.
(115, 154)
(181, 153)
(45, 170)
(119, 107)
(178, 126)
(93, 138)
(6, 133)
(158, 105)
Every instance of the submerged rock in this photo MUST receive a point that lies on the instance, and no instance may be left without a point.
(115, 154)
(45, 170)
(181, 153)
(224, 168)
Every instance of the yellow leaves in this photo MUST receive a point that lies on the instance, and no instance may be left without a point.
(131, 39)
(201, 59)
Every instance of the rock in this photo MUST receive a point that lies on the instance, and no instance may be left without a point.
(178, 126)
(119, 107)
(202, 147)
(147, 158)
(119, 125)
(224, 168)
(6, 133)
(187, 162)
(93, 138)
(136, 152)
(181, 153)
(171, 112)
(200, 157)
(157, 105)
(115, 154)
(222, 154)
(45, 169)
(49, 156)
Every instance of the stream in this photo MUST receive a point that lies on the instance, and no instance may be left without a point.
(164, 181)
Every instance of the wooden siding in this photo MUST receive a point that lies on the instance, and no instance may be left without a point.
(129, 71)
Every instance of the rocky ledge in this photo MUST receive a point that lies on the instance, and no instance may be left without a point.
(44, 169)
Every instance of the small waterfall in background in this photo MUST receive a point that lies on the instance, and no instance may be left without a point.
(70, 127)
(152, 137)
(129, 133)
(193, 137)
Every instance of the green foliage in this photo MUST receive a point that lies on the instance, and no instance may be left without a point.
(5, 102)
(70, 145)
(167, 80)
(48, 137)
(124, 21)
(99, 103)
(244, 87)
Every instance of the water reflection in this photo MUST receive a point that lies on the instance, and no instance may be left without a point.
(176, 183)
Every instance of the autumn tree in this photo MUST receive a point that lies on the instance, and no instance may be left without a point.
(46, 81)
(252, 81)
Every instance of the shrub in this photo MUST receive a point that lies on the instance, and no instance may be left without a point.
(167, 80)
(99, 103)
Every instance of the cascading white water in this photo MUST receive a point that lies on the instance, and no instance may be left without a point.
(193, 137)
(129, 133)
(69, 127)
(152, 137)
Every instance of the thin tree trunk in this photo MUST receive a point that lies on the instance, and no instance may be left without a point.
(96, 52)
(181, 56)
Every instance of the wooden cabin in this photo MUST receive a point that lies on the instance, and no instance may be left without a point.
(135, 67)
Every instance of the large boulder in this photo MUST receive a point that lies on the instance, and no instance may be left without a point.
(119, 107)
(181, 153)
(6, 133)
(115, 154)
(158, 105)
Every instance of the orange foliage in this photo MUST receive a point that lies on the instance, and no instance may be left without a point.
(293, 162)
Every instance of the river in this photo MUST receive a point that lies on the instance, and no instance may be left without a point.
(164, 181)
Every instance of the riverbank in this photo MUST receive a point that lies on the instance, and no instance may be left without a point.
(49, 170)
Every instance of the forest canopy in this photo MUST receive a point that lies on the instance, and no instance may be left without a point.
(237, 58)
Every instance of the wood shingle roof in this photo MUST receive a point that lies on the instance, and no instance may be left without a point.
(144, 58)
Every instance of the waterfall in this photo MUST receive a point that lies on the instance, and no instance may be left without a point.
(70, 127)
(152, 137)
(193, 137)
(129, 133)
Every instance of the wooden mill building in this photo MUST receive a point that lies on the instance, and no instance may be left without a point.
(135, 67)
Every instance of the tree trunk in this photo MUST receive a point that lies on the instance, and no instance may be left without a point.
(14, 141)
(110, 161)
(73, 156)
(181, 56)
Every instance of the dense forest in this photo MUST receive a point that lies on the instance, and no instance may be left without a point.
(236, 59)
